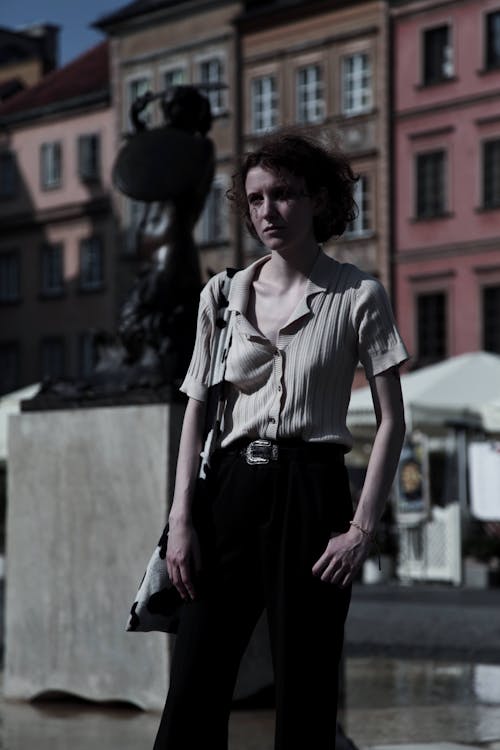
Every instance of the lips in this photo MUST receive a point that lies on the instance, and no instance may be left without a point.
(272, 229)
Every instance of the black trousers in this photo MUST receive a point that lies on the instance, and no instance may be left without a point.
(262, 527)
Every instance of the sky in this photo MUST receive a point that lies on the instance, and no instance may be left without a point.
(73, 16)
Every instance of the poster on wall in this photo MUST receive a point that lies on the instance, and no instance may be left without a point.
(412, 483)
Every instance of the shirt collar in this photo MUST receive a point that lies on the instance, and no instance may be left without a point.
(319, 281)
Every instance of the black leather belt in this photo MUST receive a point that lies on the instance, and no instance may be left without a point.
(264, 451)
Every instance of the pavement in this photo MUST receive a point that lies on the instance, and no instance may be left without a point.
(425, 622)
(422, 672)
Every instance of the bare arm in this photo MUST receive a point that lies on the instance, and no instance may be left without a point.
(345, 553)
(183, 552)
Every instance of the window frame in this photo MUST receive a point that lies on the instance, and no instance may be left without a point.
(217, 96)
(12, 297)
(363, 195)
(442, 76)
(488, 65)
(488, 163)
(356, 99)
(270, 104)
(8, 190)
(94, 173)
(89, 284)
(442, 211)
(87, 358)
(172, 69)
(49, 290)
(147, 112)
(310, 106)
(485, 288)
(427, 358)
(51, 167)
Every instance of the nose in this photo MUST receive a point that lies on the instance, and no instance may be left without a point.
(268, 206)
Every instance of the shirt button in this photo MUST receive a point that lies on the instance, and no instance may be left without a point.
(272, 420)
(279, 389)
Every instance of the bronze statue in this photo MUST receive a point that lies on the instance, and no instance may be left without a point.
(170, 169)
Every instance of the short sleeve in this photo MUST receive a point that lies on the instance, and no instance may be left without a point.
(380, 345)
(196, 383)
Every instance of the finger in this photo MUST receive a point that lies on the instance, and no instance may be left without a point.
(321, 564)
(178, 581)
(331, 570)
(187, 581)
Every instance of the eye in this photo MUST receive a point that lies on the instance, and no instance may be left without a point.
(255, 199)
(282, 194)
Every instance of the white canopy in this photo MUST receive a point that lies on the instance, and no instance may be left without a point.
(464, 388)
(10, 404)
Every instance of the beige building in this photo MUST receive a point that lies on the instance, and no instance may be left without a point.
(158, 45)
(323, 65)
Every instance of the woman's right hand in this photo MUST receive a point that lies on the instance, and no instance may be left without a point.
(183, 557)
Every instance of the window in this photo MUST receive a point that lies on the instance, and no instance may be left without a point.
(491, 319)
(87, 354)
(8, 175)
(309, 93)
(52, 270)
(174, 77)
(491, 174)
(493, 40)
(91, 264)
(357, 94)
(53, 357)
(362, 224)
(10, 276)
(211, 76)
(431, 327)
(431, 184)
(438, 55)
(264, 104)
(51, 165)
(9, 366)
(89, 157)
(136, 88)
(213, 219)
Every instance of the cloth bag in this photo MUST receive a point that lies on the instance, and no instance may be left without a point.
(157, 602)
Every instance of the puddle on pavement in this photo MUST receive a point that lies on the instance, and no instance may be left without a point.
(389, 701)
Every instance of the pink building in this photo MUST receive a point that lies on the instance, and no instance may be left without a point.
(447, 176)
(58, 237)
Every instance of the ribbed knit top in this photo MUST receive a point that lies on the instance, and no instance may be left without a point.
(301, 387)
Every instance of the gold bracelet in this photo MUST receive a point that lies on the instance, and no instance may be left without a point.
(371, 536)
(363, 531)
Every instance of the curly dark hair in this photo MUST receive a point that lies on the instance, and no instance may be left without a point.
(322, 168)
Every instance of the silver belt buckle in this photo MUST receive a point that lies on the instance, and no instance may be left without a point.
(261, 452)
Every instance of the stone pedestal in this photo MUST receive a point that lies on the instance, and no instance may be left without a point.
(87, 500)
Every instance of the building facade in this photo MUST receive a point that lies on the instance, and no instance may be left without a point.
(446, 199)
(323, 66)
(57, 246)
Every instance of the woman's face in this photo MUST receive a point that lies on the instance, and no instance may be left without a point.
(280, 208)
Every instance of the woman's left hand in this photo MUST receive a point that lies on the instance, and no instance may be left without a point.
(343, 557)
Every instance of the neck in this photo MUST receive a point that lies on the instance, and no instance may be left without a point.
(289, 267)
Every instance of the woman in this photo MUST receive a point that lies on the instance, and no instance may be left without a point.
(276, 529)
